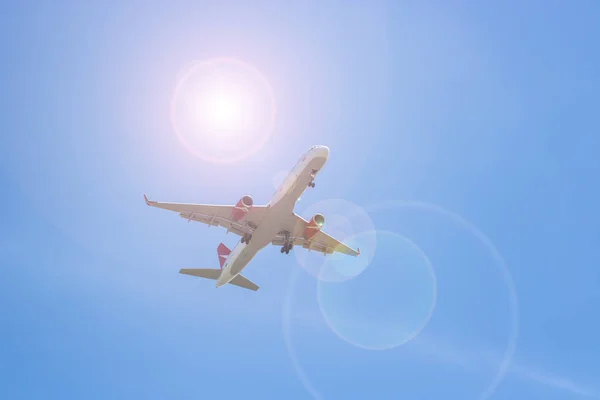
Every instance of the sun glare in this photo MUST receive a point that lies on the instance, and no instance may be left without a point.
(223, 110)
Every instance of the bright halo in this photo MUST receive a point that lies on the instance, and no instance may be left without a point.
(223, 110)
(219, 109)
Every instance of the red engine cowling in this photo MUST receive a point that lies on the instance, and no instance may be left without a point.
(242, 208)
(314, 225)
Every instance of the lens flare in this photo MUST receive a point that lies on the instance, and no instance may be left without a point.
(500, 264)
(389, 303)
(339, 318)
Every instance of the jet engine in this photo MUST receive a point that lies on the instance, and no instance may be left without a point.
(314, 225)
(242, 208)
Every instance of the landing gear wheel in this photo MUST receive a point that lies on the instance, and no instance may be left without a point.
(288, 243)
(246, 238)
(286, 248)
(311, 184)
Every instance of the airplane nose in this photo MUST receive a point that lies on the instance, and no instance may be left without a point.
(321, 151)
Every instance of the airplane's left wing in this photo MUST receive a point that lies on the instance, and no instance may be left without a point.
(216, 215)
(320, 241)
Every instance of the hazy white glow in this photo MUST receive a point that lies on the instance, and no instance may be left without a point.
(222, 109)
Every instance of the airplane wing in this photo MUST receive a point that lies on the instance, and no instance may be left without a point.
(215, 215)
(321, 241)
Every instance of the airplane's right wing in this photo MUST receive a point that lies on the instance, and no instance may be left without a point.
(217, 215)
(320, 241)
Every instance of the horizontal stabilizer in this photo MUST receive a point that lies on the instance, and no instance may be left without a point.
(241, 281)
(214, 274)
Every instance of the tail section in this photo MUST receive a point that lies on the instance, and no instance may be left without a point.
(223, 252)
(214, 274)
(205, 273)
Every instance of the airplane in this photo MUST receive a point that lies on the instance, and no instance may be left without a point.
(261, 225)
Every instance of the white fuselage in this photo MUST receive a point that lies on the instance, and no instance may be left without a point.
(279, 214)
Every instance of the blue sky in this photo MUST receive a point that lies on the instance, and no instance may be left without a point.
(484, 116)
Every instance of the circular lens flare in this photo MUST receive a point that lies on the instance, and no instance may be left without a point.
(223, 110)
(393, 207)
(389, 303)
(499, 263)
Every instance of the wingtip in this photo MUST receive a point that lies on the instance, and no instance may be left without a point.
(358, 251)
(146, 199)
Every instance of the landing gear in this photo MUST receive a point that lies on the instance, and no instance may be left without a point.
(313, 173)
(246, 238)
(288, 244)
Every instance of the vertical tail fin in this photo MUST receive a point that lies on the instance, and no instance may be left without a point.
(223, 252)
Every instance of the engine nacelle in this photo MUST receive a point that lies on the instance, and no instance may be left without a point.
(242, 208)
(314, 225)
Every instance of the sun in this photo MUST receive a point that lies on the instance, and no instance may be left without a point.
(219, 109)
(223, 110)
